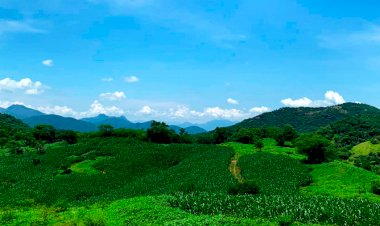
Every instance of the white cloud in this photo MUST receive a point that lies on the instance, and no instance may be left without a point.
(97, 108)
(303, 102)
(109, 79)
(118, 95)
(58, 110)
(146, 110)
(331, 98)
(334, 97)
(232, 101)
(26, 84)
(14, 26)
(259, 110)
(5, 104)
(48, 63)
(131, 79)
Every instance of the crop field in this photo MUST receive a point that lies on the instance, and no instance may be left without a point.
(283, 208)
(274, 174)
(109, 169)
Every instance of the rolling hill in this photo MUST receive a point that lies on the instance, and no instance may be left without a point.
(306, 119)
(208, 126)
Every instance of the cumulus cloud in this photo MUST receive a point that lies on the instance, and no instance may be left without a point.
(58, 110)
(97, 108)
(109, 79)
(331, 98)
(118, 95)
(302, 102)
(131, 79)
(334, 97)
(259, 110)
(48, 63)
(146, 110)
(232, 101)
(26, 84)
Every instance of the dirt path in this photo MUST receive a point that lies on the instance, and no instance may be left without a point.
(235, 170)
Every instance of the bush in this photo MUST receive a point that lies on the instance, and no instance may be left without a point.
(245, 188)
(375, 187)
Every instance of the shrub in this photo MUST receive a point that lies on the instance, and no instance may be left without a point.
(375, 187)
(245, 188)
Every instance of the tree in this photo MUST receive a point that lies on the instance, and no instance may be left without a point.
(259, 144)
(288, 134)
(106, 130)
(221, 135)
(159, 132)
(184, 137)
(45, 133)
(67, 135)
(314, 146)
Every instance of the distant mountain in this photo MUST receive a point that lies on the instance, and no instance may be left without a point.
(60, 122)
(195, 130)
(116, 122)
(208, 126)
(22, 112)
(2, 110)
(306, 119)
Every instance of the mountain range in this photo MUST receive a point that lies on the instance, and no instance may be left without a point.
(34, 117)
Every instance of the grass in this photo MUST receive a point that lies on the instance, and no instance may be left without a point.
(365, 148)
(148, 210)
(341, 180)
(270, 146)
(86, 167)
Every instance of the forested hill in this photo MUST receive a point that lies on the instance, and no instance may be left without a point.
(306, 119)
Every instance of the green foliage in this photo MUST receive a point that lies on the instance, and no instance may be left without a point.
(69, 136)
(341, 180)
(314, 146)
(105, 169)
(306, 119)
(45, 133)
(106, 130)
(375, 187)
(160, 133)
(274, 174)
(304, 209)
(288, 133)
(245, 188)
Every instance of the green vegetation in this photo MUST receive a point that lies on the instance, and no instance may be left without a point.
(253, 176)
(341, 180)
(309, 119)
(274, 174)
(283, 208)
(269, 146)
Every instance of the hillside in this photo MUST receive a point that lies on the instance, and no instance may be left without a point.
(306, 119)
(10, 124)
(60, 122)
(22, 112)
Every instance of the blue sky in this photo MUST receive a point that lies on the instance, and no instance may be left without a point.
(187, 60)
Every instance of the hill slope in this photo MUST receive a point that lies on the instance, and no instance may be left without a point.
(305, 119)
(60, 122)
(21, 112)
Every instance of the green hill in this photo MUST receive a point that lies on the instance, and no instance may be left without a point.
(306, 119)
